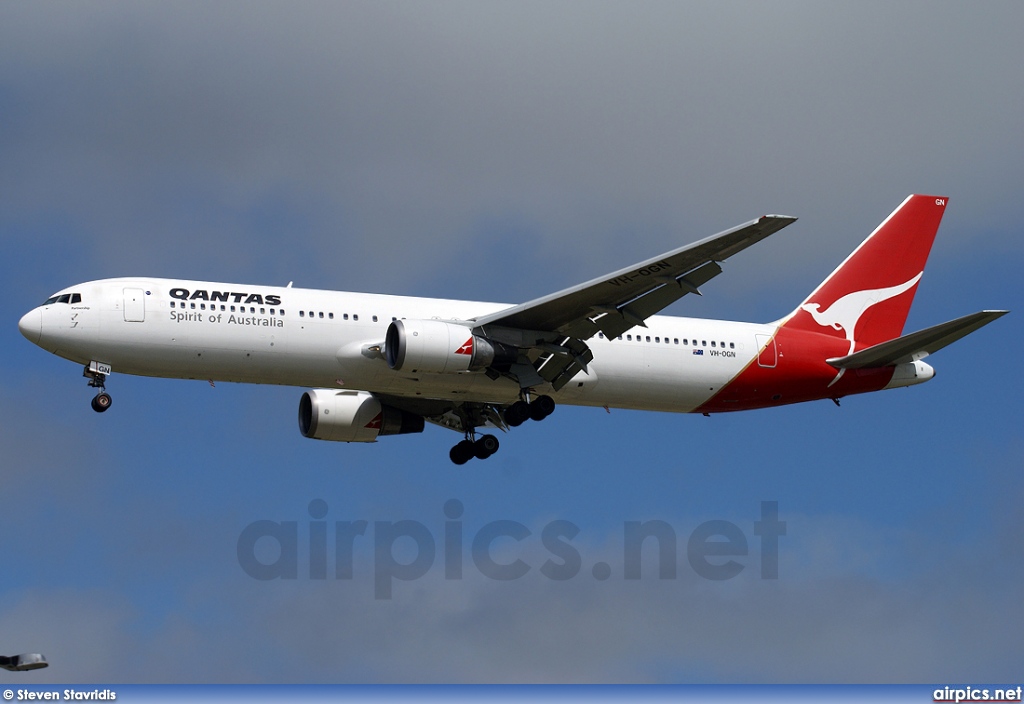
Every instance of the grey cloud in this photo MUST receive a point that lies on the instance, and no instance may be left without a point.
(393, 147)
(825, 619)
(371, 130)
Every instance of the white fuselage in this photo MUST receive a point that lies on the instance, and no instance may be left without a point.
(329, 339)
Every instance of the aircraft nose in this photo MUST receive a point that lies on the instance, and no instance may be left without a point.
(31, 325)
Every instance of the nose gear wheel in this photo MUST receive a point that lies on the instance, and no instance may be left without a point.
(97, 380)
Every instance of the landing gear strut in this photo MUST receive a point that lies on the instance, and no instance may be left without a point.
(96, 373)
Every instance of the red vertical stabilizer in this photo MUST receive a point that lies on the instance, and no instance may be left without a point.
(867, 298)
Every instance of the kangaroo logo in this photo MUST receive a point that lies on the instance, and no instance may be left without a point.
(846, 312)
(466, 348)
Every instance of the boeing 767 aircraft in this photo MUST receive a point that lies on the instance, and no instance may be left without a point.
(383, 365)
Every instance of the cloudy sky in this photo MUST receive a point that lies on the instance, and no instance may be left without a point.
(501, 152)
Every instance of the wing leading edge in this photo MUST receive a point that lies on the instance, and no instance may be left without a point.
(555, 327)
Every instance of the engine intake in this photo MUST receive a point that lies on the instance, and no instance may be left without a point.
(352, 416)
(442, 348)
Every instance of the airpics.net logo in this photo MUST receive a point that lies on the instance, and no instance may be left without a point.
(501, 550)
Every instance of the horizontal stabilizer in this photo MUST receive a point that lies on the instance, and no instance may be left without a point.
(916, 345)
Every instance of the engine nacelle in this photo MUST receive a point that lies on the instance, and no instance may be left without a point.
(442, 348)
(352, 416)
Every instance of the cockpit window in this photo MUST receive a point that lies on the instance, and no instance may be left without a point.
(64, 298)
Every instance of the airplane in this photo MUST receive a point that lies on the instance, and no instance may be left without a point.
(377, 365)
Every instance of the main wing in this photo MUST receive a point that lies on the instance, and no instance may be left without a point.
(555, 328)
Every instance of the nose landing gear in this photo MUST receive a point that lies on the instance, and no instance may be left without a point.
(101, 402)
(96, 373)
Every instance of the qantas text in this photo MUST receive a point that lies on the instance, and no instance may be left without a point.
(183, 294)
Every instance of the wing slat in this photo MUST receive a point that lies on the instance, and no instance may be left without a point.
(573, 306)
(552, 330)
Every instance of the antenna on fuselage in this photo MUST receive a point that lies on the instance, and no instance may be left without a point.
(289, 284)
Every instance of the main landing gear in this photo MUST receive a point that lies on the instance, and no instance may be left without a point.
(522, 411)
(515, 415)
(97, 373)
(481, 448)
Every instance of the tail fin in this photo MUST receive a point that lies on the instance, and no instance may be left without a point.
(867, 298)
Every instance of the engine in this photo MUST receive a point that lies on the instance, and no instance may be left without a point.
(443, 348)
(352, 416)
